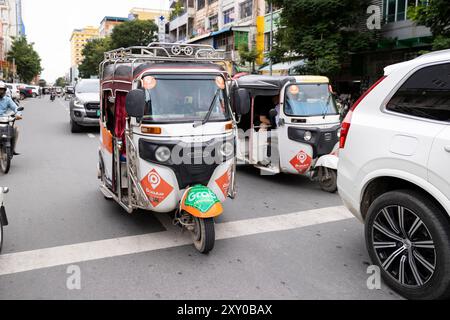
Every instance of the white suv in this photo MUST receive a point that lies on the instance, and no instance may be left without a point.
(394, 174)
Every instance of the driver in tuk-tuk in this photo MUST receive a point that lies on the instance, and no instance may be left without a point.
(264, 118)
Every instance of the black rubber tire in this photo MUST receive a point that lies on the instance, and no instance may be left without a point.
(5, 167)
(207, 236)
(34, 95)
(438, 287)
(22, 96)
(329, 185)
(1, 236)
(74, 127)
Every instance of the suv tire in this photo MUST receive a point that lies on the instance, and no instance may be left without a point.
(74, 127)
(433, 224)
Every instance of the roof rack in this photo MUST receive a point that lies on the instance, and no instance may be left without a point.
(160, 51)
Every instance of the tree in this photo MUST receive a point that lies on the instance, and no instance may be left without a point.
(42, 83)
(134, 33)
(26, 59)
(436, 15)
(60, 82)
(247, 55)
(93, 53)
(323, 32)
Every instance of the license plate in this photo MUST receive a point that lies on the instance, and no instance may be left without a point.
(98, 113)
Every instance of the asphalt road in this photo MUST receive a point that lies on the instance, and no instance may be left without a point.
(59, 221)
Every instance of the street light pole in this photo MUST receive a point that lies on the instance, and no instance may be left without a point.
(271, 37)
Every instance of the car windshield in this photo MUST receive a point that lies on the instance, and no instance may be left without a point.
(88, 87)
(186, 99)
(309, 100)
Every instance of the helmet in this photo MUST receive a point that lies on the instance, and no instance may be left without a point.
(2, 85)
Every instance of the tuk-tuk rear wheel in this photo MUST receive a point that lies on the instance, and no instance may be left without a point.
(328, 180)
(204, 235)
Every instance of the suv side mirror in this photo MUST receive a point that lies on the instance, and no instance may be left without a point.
(242, 102)
(135, 103)
(20, 108)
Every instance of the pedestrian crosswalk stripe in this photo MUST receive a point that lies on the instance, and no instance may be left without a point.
(95, 250)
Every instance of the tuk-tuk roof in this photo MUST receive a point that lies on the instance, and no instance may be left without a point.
(260, 82)
(312, 79)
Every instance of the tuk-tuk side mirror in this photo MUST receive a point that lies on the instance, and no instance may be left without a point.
(135, 103)
(242, 102)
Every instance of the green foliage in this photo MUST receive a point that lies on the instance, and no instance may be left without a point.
(27, 60)
(323, 32)
(441, 43)
(436, 16)
(60, 82)
(247, 55)
(177, 10)
(93, 53)
(42, 83)
(134, 33)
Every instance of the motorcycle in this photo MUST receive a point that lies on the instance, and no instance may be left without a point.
(3, 218)
(7, 133)
(52, 96)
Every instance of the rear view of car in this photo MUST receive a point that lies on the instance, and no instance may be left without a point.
(394, 174)
(85, 105)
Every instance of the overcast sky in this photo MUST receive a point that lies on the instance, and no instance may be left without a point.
(49, 24)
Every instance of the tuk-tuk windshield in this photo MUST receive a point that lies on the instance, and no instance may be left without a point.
(186, 99)
(309, 100)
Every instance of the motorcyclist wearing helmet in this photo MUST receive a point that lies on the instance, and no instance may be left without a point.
(6, 105)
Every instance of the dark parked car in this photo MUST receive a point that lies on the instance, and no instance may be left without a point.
(25, 93)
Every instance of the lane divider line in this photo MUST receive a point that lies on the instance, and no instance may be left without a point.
(95, 250)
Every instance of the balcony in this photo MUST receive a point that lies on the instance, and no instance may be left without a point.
(182, 19)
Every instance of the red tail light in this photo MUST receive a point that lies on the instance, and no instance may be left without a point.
(345, 128)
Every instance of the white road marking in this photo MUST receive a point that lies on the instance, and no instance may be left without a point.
(90, 135)
(88, 251)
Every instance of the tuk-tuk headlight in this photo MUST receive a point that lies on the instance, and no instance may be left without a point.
(227, 149)
(162, 154)
(307, 136)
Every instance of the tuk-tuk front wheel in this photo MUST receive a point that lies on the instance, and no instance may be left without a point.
(204, 235)
(327, 179)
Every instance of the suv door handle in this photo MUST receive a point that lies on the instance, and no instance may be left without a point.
(447, 148)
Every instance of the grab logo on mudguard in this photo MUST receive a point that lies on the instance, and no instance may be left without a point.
(301, 162)
(201, 198)
(156, 188)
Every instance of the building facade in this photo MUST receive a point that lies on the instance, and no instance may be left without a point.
(147, 14)
(108, 23)
(11, 25)
(78, 40)
(224, 24)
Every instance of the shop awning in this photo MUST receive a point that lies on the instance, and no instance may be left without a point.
(283, 67)
(215, 33)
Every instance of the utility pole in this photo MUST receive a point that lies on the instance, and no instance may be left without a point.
(271, 37)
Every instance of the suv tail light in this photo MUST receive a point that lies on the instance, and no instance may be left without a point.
(345, 127)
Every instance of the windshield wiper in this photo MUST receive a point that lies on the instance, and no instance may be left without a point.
(208, 115)
(327, 106)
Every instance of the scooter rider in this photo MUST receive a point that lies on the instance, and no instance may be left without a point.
(7, 104)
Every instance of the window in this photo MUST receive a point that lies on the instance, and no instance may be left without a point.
(214, 22)
(246, 9)
(211, 1)
(426, 94)
(200, 4)
(228, 16)
(397, 10)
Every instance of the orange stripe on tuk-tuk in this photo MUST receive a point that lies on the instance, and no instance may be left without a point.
(107, 139)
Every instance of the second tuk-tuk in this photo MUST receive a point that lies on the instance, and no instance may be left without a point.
(168, 134)
(288, 124)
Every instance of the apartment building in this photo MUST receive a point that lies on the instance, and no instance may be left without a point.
(78, 40)
(108, 23)
(147, 14)
(11, 25)
(224, 24)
